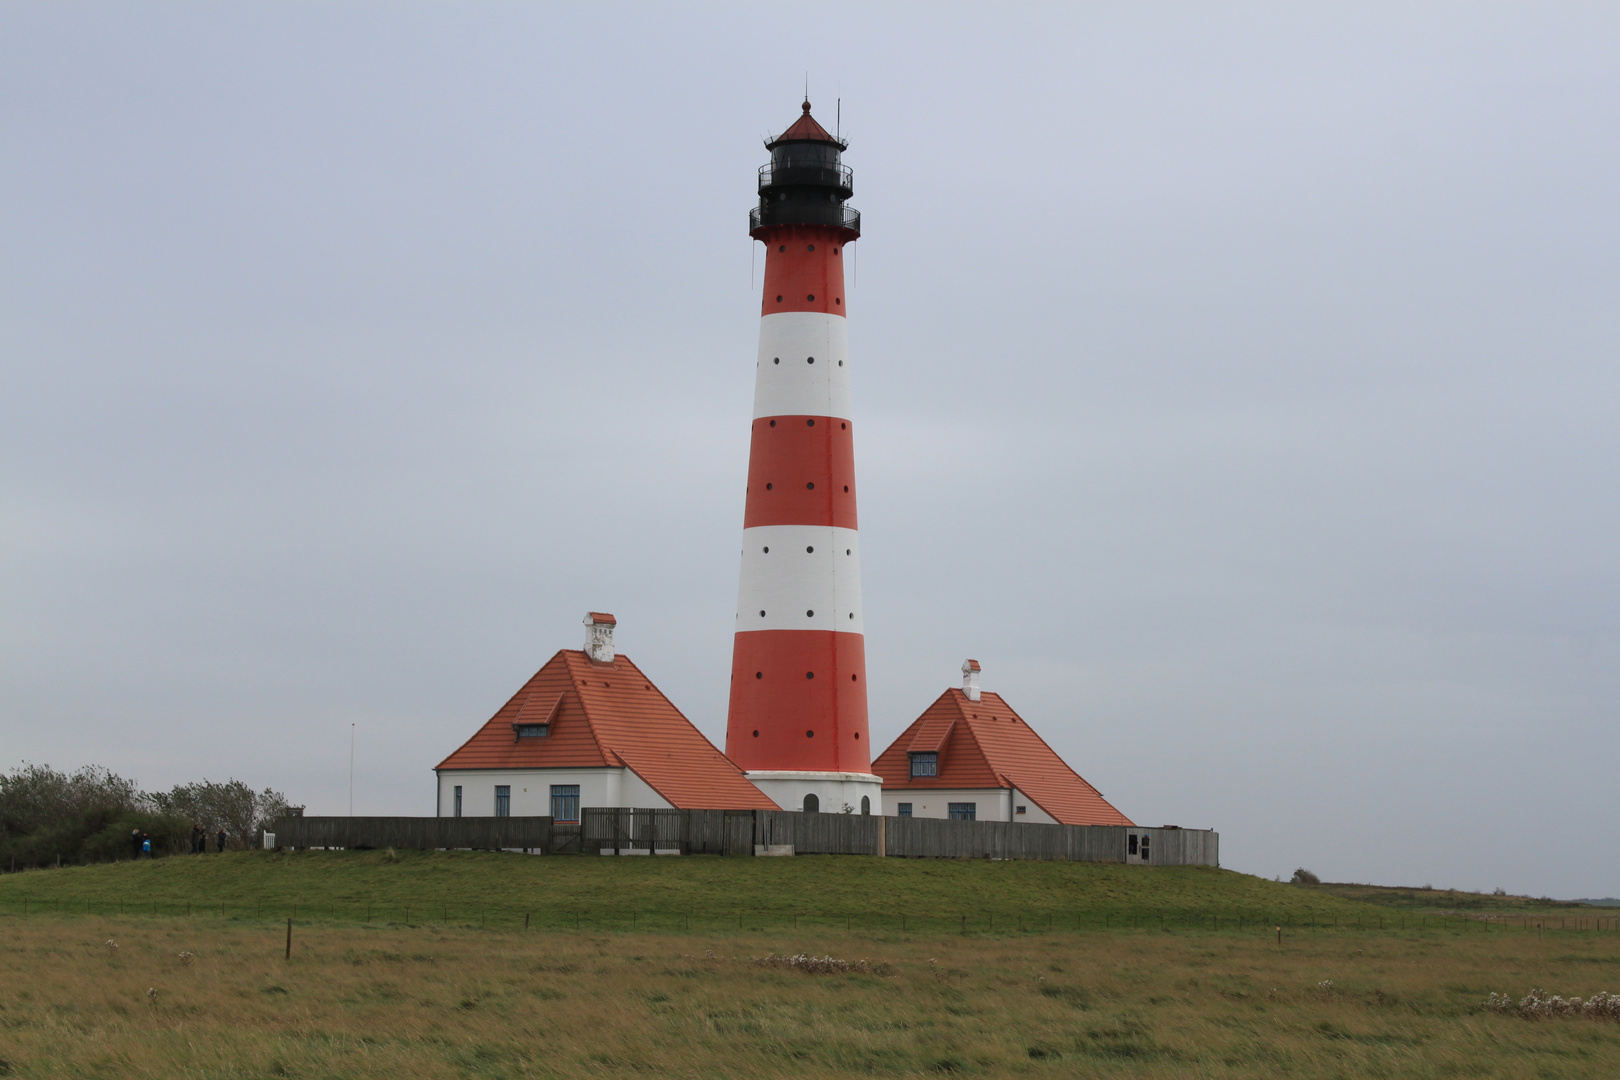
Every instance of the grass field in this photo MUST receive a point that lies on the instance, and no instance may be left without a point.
(1428, 899)
(1090, 970)
(358, 1001)
(700, 893)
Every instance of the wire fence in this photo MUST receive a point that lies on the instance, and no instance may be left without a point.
(978, 921)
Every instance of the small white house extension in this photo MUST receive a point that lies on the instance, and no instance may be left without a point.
(589, 729)
(970, 756)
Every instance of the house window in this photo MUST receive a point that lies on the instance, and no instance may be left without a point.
(1130, 844)
(1021, 810)
(458, 800)
(503, 801)
(924, 764)
(964, 811)
(565, 803)
(904, 809)
(530, 731)
(1144, 848)
(812, 805)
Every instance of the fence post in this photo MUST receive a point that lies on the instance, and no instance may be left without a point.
(289, 939)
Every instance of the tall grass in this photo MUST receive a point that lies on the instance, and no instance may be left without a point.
(428, 1002)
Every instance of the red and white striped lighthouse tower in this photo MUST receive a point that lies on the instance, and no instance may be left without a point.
(797, 723)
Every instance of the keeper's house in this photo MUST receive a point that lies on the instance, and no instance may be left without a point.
(589, 729)
(970, 756)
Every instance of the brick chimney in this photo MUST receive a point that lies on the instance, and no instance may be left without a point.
(970, 679)
(599, 636)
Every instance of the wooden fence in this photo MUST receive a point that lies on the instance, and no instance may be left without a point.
(633, 831)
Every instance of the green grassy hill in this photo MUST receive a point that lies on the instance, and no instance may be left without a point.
(1432, 900)
(464, 888)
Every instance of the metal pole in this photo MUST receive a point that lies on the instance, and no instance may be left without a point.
(351, 770)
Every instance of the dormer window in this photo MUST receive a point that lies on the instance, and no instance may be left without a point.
(530, 731)
(925, 764)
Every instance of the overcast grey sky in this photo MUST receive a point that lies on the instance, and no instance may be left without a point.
(1238, 384)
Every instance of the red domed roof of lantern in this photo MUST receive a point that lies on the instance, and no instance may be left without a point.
(805, 129)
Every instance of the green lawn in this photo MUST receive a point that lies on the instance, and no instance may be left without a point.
(1427, 899)
(701, 892)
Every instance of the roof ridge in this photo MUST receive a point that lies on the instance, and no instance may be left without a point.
(959, 698)
(608, 754)
(1037, 735)
(990, 760)
(524, 691)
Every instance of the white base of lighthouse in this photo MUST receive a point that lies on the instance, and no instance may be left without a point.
(833, 792)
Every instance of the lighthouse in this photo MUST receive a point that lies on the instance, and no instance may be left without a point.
(797, 720)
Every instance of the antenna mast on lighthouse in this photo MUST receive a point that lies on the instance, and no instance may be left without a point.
(797, 724)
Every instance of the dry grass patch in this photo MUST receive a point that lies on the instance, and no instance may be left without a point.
(398, 1003)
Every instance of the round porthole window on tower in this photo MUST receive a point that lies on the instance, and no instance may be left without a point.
(811, 297)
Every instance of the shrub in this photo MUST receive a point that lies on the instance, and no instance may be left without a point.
(1303, 876)
(48, 816)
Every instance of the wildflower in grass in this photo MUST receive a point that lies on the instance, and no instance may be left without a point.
(112, 946)
(186, 957)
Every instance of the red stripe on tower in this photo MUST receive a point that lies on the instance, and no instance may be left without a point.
(797, 722)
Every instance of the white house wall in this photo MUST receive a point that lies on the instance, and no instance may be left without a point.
(531, 790)
(1032, 814)
(991, 804)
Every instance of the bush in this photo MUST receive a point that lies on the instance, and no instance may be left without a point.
(1303, 876)
(47, 816)
(170, 835)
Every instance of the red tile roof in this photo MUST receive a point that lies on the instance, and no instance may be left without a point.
(804, 129)
(609, 715)
(985, 744)
(602, 617)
